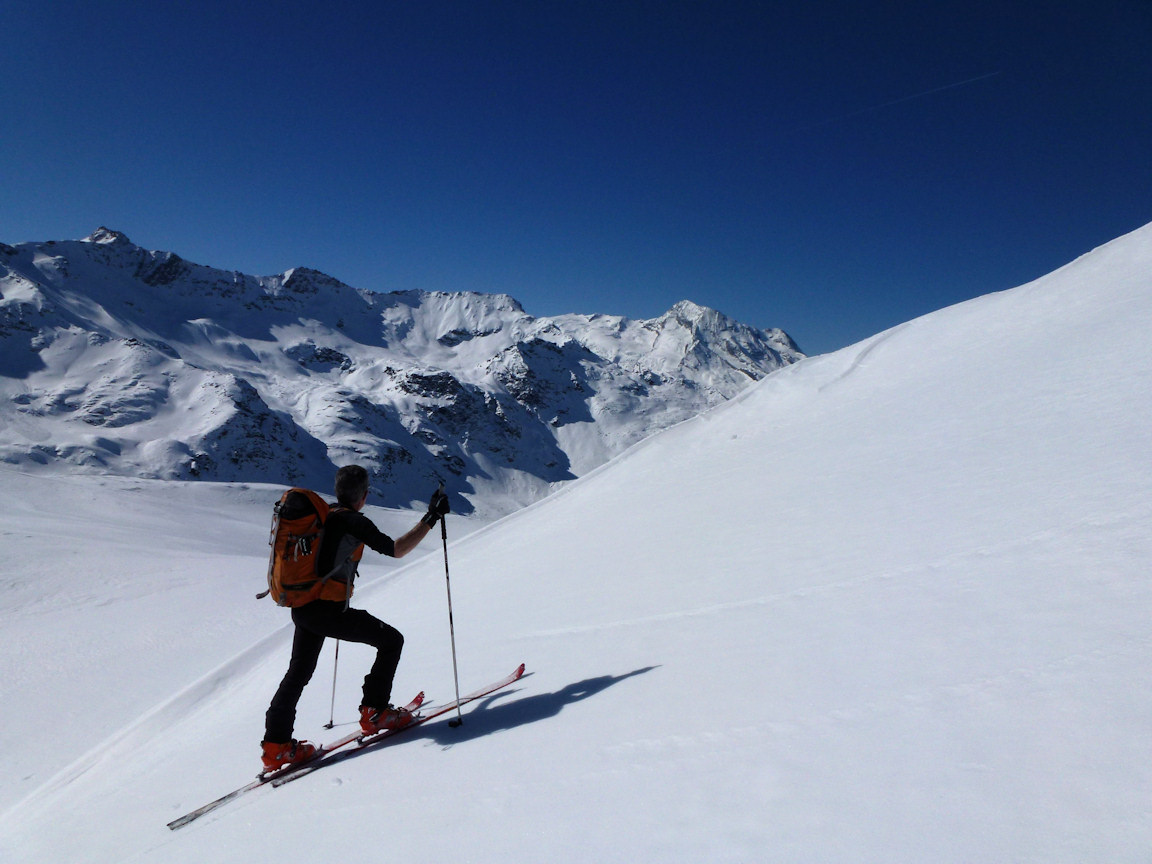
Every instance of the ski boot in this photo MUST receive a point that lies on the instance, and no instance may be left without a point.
(373, 720)
(277, 756)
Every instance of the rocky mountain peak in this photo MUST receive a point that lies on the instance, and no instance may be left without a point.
(117, 360)
(108, 237)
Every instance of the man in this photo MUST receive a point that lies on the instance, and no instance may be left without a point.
(346, 532)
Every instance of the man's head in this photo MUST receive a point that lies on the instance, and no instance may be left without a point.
(351, 485)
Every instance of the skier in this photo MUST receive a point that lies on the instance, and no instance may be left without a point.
(346, 528)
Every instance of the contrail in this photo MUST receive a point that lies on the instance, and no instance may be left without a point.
(883, 105)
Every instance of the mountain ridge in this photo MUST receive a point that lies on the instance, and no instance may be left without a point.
(120, 360)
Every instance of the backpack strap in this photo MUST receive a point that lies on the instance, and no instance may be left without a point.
(340, 561)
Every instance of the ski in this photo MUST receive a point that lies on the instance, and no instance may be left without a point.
(264, 778)
(365, 741)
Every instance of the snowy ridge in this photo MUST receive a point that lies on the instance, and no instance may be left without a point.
(117, 360)
(915, 570)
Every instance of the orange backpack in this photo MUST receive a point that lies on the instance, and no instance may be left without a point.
(297, 528)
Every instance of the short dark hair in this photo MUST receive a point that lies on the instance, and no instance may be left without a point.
(351, 485)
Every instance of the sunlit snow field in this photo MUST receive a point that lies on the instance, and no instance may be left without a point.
(889, 605)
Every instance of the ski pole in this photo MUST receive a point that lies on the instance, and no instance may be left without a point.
(336, 662)
(451, 626)
(332, 711)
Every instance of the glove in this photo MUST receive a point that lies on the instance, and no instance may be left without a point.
(437, 508)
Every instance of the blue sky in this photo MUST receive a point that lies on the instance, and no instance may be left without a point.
(829, 168)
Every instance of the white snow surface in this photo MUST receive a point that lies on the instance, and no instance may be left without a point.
(887, 605)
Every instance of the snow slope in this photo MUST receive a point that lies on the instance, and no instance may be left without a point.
(889, 604)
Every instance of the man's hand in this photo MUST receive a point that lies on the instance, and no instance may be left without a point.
(437, 508)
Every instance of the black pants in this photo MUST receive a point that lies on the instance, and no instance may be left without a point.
(314, 622)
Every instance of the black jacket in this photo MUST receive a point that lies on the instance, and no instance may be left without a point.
(343, 531)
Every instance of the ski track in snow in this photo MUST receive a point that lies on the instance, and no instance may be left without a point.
(923, 572)
(869, 346)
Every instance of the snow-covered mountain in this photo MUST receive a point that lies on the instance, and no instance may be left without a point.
(119, 360)
(890, 604)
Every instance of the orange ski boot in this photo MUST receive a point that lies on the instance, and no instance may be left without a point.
(277, 755)
(373, 720)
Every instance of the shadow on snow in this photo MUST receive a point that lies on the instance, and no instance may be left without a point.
(485, 716)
